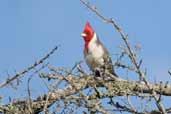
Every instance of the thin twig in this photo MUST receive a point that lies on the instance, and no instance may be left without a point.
(20, 74)
(28, 85)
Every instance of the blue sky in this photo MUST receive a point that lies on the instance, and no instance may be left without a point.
(29, 29)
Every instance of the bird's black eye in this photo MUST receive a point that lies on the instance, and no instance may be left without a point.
(88, 33)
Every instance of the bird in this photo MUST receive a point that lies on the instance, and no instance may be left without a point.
(95, 53)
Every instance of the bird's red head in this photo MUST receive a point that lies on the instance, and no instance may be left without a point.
(87, 34)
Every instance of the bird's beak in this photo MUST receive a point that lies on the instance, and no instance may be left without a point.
(83, 35)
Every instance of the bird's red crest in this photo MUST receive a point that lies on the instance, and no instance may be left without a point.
(88, 29)
(87, 34)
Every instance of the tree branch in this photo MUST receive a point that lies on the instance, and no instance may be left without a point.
(7, 81)
(117, 87)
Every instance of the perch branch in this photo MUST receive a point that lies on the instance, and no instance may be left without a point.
(115, 87)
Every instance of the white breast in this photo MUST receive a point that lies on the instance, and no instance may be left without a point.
(95, 51)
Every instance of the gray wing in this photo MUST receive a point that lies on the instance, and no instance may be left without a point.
(107, 60)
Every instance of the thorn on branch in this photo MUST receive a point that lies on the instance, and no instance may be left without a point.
(169, 71)
(139, 65)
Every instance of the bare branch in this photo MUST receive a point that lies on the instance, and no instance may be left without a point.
(7, 81)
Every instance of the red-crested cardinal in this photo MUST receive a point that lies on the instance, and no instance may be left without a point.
(95, 54)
